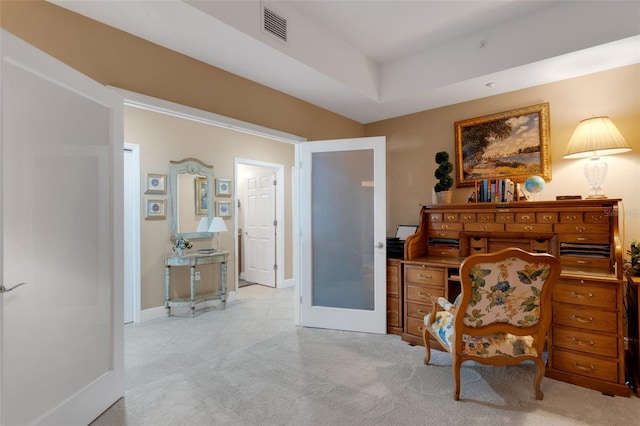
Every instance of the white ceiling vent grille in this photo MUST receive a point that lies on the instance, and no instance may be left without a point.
(274, 24)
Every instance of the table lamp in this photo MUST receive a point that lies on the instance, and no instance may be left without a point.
(202, 226)
(595, 137)
(216, 226)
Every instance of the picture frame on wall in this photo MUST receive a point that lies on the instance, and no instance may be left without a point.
(223, 208)
(156, 183)
(201, 195)
(156, 209)
(508, 145)
(223, 187)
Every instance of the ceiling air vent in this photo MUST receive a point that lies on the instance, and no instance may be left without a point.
(274, 24)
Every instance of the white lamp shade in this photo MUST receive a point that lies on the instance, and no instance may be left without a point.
(217, 225)
(596, 136)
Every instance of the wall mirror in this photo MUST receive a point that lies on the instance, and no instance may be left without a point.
(190, 183)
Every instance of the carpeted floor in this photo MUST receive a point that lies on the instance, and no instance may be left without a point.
(250, 365)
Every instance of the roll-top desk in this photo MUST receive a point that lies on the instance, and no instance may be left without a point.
(586, 341)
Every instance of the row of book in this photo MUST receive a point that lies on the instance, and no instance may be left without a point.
(497, 191)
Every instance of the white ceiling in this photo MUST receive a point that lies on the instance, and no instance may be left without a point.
(371, 59)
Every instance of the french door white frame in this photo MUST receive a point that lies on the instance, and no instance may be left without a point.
(132, 239)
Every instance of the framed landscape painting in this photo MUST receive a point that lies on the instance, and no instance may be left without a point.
(508, 145)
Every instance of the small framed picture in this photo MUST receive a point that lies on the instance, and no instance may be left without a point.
(223, 208)
(156, 209)
(223, 187)
(156, 183)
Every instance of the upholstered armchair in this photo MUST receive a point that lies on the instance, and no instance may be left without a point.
(502, 315)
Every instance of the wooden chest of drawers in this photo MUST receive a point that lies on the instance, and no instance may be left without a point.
(587, 346)
(394, 296)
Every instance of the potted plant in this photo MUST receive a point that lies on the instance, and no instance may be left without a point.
(445, 181)
(181, 245)
(632, 267)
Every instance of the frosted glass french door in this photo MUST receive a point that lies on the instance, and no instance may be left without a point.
(61, 333)
(343, 221)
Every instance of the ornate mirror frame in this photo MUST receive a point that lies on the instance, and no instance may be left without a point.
(195, 167)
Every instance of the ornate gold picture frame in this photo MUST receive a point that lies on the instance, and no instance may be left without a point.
(508, 145)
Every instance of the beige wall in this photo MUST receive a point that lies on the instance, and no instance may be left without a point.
(413, 140)
(163, 138)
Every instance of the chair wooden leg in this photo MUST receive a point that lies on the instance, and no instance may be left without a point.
(456, 364)
(427, 345)
(538, 379)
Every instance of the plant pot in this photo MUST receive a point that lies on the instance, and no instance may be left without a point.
(444, 197)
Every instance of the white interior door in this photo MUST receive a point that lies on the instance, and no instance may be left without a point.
(61, 356)
(259, 228)
(343, 234)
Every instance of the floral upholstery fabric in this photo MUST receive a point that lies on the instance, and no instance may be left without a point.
(505, 292)
(496, 344)
(508, 293)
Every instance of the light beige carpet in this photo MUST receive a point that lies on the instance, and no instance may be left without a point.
(249, 365)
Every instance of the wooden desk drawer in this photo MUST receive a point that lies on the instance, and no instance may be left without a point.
(570, 217)
(505, 217)
(585, 262)
(587, 318)
(486, 217)
(582, 228)
(418, 310)
(547, 217)
(598, 216)
(422, 275)
(444, 234)
(529, 227)
(450, 217)
(529, 217)
(584, 238)
(415, 326)
(584, 365)
(443, 251)
(593, 343)
(423, 294)
(484, 227)
(445, 226)
(586, 293)
(435, 217)
(467, 217)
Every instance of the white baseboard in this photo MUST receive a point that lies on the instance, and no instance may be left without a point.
(287, 283)
(161, 311)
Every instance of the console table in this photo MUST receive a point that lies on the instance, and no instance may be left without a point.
(586, 339)
(192, 260)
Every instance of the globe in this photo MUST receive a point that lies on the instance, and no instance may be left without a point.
(534, 184)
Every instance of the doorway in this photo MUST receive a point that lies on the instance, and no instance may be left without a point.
(260, 222)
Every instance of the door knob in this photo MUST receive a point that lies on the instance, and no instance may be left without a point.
(379, 245)
(3, 289)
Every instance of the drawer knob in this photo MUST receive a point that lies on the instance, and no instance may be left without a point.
(583, 262)
(420, 312)
(526, 218)
(483, 228)
(547, 217)
(528, 228)
(451, 217)
(466, 217)
(582, 296)
(445, 226)
(420, 329)
(580, 228)
(591, 368)
(583, 342)
(596, 218)
(572, 217)
(582, 238)
(580, 319)
(425, 277)
(421, 294)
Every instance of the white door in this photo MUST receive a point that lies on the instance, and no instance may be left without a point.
(61, 355)
(343, 234)
(259, 226)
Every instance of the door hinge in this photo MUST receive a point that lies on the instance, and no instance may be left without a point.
(301, 300)
(275, 223)
(275, 182)
(275, 267)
